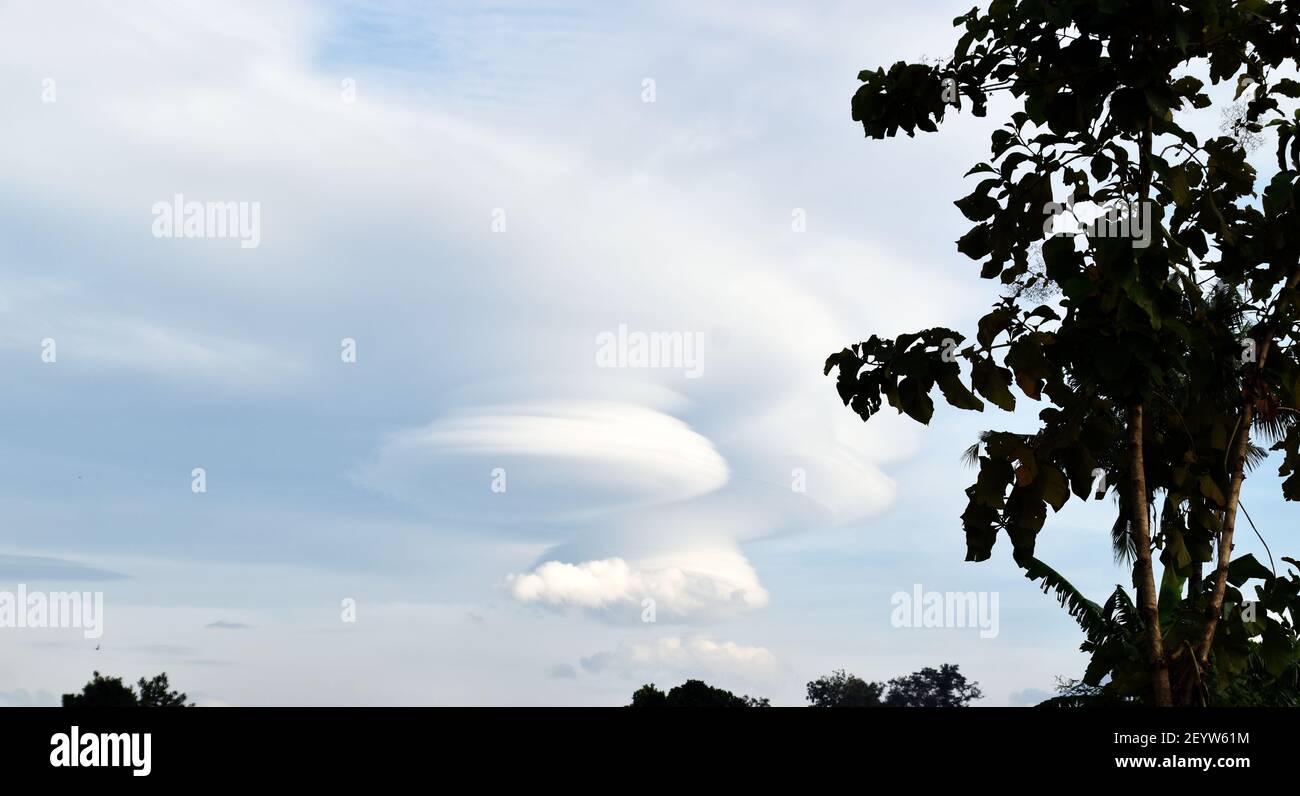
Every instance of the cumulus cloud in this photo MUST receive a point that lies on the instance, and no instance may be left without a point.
(694, 656)
(615, 585)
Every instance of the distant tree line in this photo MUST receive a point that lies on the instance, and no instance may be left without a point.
(945, 687)
(933, 688)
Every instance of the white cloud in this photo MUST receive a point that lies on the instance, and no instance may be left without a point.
(694, 656)
(547, 461)
(720, 584)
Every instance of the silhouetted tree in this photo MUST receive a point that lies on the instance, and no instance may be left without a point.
(944, 687)
(841, 690)
(693, 694)
(155, 694)
(102, 692)
(111, 692)
(648, 696)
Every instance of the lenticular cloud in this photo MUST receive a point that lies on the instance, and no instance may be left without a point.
(547, 461)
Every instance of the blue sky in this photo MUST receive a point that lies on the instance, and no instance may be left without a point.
(476, 350)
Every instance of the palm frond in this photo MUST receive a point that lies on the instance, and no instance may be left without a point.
(1121, 538)
(971, 456)
(1120, 607)
(1255, 456)
(1274, 428)
(1086, 612)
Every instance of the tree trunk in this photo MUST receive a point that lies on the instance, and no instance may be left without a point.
(1215, 608)
(1140, 520)
(1143, 573)
(1263, 338)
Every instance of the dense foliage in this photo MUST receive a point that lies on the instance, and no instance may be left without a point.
(945, 687)
(111, 692)
(1162, 361)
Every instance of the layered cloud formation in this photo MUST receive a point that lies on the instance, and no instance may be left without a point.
(493, 203)
(552, 462)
